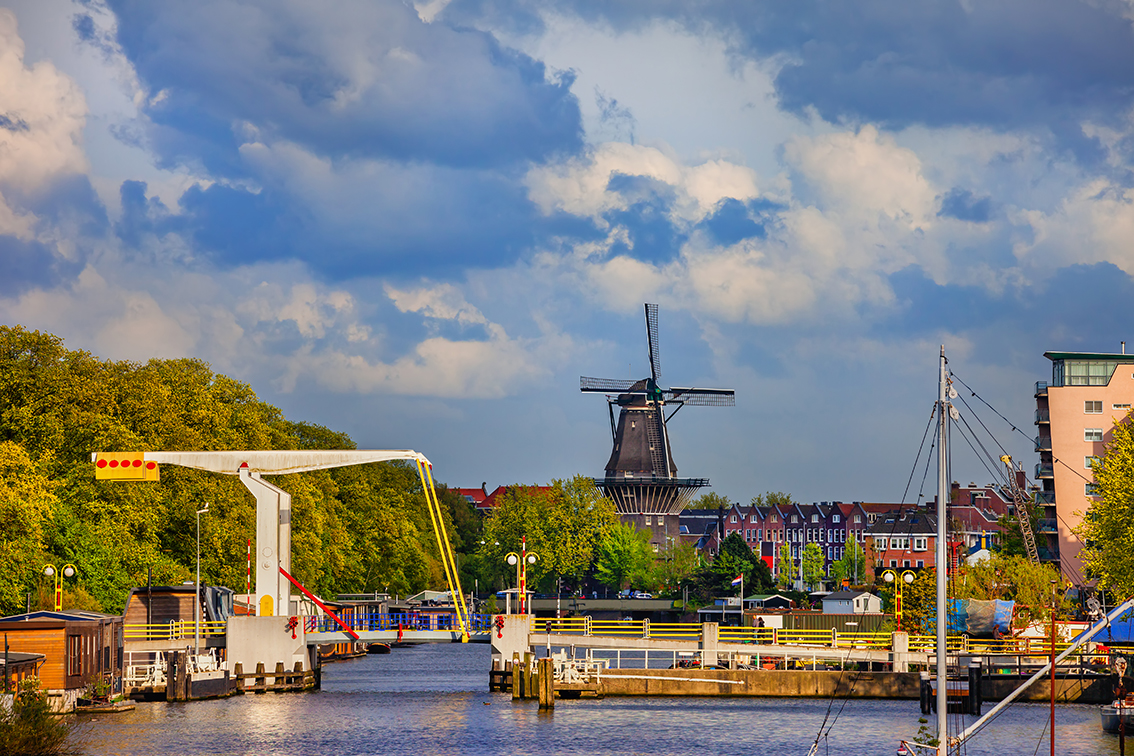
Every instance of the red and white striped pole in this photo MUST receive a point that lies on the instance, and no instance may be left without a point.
(248, 578)
(523, 573)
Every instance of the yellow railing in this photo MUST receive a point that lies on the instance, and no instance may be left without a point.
(172, 630)
(778, 636)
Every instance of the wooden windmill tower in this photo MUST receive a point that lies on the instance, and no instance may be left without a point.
(641, 477)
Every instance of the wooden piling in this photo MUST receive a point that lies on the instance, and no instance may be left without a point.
(261, 680)
(238, 672)
(529, 690)
(517, 677)
(546, 684)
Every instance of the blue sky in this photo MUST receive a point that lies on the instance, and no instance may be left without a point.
(420, 223)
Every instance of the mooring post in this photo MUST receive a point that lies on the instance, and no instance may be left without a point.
(238, 673)
(517, 676)
(528, 664)
(546, 683)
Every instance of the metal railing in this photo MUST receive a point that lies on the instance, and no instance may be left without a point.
(1043, 443)
(404, 621)
(1043, 416)
(172, 630)
(1045, 471)
(833, 638)
(1041, 388)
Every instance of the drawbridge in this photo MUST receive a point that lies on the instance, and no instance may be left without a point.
(272, 569)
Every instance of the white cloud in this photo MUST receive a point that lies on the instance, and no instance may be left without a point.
(43, 113)
(580, 186)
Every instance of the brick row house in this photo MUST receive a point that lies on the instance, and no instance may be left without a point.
(765, 529)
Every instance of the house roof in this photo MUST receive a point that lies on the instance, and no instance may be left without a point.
(845, 595)
(21, 657)
(71, 615)
(766, 596)
(474, 495)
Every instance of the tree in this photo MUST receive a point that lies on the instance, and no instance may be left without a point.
(812, 565)
(784, 570)
(623, 552)
(673, 568)
(773, 499)
(1107, 529)
(563, 524)
(1012, 577)
(27, 507)
(852, 565)
(709, 500)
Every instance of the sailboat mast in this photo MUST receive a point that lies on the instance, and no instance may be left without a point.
(942, 564)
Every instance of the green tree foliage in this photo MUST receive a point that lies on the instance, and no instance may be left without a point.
(563, 524)
(1107, 529)
(733, 558)
(852, 565)
(784, 572)
(623, 554)
(672, 569)
(709, 500)
(1012, 577)
(354, 529)
(812, 565)
(773, 499)
(28, 728)
(919, 600)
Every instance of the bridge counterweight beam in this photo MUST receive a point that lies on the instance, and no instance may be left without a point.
(273, 543)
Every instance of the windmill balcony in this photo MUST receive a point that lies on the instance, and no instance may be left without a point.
(1041, 388)
(1043, 443)
(1045, 471)
(1043, 416)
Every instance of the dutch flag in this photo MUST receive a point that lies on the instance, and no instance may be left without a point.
(738, 580)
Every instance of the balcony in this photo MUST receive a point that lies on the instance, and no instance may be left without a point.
(1044, 498)
(1041, 388)
(1046, 526)
(1043, 416)
(1045, 471)
(1043, 443)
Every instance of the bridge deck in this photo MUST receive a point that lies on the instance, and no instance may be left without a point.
(391, 636)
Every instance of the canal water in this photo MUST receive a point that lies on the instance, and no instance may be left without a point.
(433, 699)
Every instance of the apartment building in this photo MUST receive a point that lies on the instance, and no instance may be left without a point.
(1075, 415)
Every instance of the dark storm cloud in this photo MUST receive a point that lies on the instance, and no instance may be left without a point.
(346, 79)
(1001, 63)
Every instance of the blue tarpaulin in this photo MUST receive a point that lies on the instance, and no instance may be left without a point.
(1121, 630)
(980, 619)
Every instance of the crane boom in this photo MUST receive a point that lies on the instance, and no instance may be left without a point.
(1022, 515)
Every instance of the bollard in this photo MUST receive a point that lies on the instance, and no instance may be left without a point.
(279, 679)
(261, 680)
(546, 684)
(238, 673)
(517, 676)
(529, 690)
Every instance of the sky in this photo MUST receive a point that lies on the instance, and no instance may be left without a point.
(421, 223)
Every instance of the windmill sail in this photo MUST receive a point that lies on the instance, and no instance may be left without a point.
(641, 476)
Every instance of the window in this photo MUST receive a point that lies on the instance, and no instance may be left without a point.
(858, 518)
(1082, 372)
(1092, 407)
(1092, 434)
(760, 534)
(815, 518)
(649, 519)
(775, 518)
(1088, 461)
(920, 564)
(900, 543)
(920, 544)
(1091, 489)
(795, 518)
(880, 544)
(655, 547)
(733, 519)
(836, 518)
(74, 655)
(893, 562)
(906, 563)
(752, 518)
(1120, 406)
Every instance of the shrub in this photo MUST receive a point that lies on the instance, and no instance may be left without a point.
(28, 728)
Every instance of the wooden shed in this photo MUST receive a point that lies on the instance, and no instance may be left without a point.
(78, 647)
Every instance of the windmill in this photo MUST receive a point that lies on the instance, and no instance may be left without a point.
(641, 477)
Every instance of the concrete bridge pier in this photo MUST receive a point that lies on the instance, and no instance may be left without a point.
(710, 636)
(900, 654)
(509, 637)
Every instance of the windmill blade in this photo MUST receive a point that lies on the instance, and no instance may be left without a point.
(605, 385)
(699, 397)
(652, 338)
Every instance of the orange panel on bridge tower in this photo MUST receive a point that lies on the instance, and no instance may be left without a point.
(130, 466)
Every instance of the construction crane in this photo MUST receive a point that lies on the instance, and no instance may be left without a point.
(1022, 514)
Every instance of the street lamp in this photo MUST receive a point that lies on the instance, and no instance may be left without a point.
(68, 571)
(520, 562)
(892, 577)
(197, 614)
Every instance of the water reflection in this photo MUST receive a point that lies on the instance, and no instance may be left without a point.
(434, 700)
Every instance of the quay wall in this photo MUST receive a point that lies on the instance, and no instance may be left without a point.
(823, 684)
(755, 682)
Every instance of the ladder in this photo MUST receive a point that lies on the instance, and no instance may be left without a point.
(1022, 515)
(655, 434)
